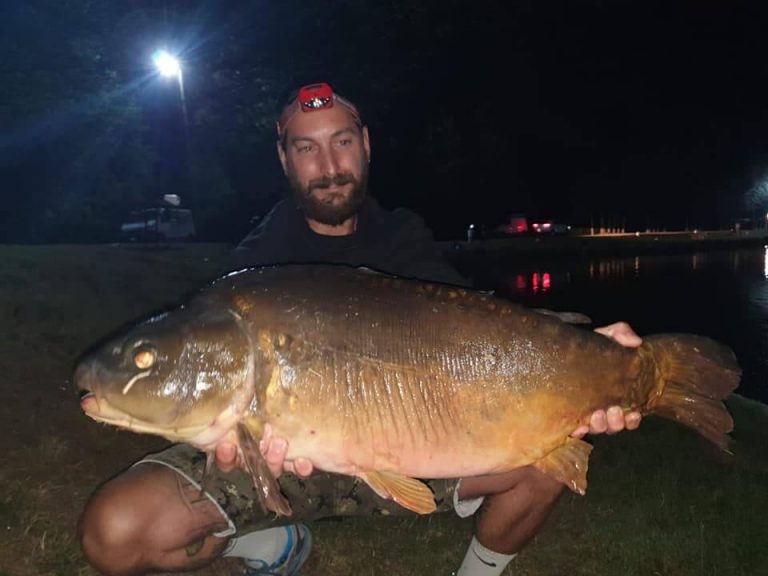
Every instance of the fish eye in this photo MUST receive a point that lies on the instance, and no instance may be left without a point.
(144, 358)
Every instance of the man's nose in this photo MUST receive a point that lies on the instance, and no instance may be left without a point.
(330, 163)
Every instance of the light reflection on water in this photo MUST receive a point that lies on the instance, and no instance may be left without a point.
(765, 264)
(541, 279)
(534, 282)
(720, 294)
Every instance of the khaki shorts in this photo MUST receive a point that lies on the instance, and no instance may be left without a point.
(323, 495)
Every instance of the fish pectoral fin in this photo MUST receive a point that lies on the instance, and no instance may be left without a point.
(568, 464)
(267, 488)
(408, 492)
(209, 472)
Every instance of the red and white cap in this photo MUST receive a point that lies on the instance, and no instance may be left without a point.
(314, 97)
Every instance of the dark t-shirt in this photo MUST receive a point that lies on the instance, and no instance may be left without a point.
(397, 242)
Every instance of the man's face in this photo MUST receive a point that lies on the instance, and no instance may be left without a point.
(326, 161)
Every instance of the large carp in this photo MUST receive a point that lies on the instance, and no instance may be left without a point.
(390, 379)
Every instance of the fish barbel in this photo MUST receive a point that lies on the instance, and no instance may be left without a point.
(390, 379)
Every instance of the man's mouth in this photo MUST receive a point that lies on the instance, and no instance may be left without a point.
(331, 194)
(335, 183)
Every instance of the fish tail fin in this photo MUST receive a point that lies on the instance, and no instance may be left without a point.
(696, 374)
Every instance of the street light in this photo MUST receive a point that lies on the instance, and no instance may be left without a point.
(169, 66)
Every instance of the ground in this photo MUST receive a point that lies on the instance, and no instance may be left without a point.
(661, 500)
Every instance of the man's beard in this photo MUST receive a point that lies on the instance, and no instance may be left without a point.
(328, 211)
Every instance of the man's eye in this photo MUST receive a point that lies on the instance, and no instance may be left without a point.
(345, 142)
(304, 149)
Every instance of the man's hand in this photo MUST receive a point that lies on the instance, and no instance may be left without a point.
(273, 449)
(622, 333)
(227, 457)
(613, 420)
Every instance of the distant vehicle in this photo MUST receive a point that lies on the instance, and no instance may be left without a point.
(514, 224)
(549, 227)
(543, 227)
(162, 224)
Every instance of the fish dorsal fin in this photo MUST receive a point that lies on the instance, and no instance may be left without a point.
(568, 464)
(567, 317)
(408, 492)
(373, 271)
(267, 488)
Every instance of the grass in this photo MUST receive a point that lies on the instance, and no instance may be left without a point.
(661, 501)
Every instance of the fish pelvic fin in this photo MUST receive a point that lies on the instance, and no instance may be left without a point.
(568, 463)
(409, 492)
(696, 374)
(267, 488)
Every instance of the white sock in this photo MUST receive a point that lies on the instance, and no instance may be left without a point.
(480, 561)
(262, 547)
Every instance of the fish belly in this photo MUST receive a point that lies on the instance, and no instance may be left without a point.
(479, 443)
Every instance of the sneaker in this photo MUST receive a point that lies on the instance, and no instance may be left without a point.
(297, 550)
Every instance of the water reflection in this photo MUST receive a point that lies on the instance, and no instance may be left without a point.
(765, 262)
(544, 278)
(541, 282)
(612, 268)
(535, 283)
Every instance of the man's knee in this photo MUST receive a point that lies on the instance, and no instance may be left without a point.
(509, 519)
(110, 529)
(137, 520)
(538, 489)
(528, 499)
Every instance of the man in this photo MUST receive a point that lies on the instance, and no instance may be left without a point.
(153, 517)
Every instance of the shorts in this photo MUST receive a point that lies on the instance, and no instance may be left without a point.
(323, 495)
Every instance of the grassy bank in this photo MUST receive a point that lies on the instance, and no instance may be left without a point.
(661, 500)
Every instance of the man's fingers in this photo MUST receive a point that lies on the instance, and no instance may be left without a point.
(226, 456)
(580, 432)
(275, 455)
(598, 423)
(622, 333)
(615, 419)
(632, 420)
(303, 467)
(609, 421)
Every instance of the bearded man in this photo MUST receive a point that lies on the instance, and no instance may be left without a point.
(155, 517)
(330, 217)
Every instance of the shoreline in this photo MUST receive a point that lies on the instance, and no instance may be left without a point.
(606, 244)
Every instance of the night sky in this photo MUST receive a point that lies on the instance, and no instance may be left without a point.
(642, 114)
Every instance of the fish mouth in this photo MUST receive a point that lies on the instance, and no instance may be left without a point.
(100, 410)
(203, 436)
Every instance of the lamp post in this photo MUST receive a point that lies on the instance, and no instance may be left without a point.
(169, 66)
(172, 138)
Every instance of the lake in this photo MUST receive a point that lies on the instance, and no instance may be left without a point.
(720, 294)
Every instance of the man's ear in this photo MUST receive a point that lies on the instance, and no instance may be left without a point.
(281, 155)
(366, 143)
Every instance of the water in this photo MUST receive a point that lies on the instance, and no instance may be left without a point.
(722, 294)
